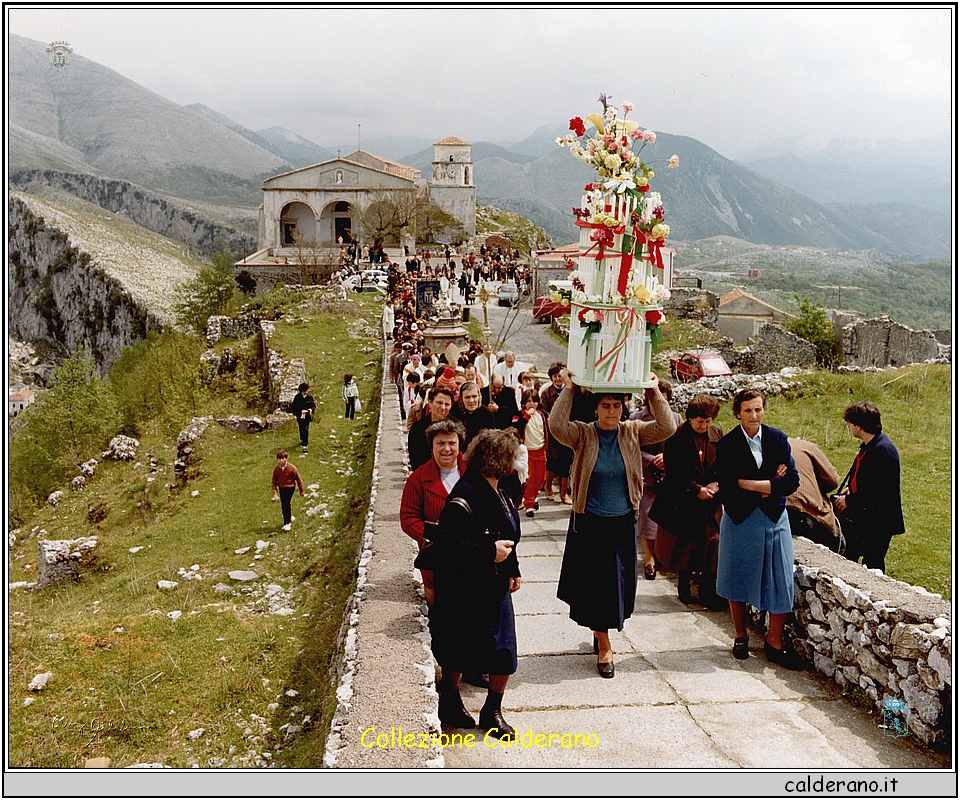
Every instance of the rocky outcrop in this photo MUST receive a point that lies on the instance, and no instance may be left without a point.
(142, 206)
(58, 295)
(62, 560)
(724, 389)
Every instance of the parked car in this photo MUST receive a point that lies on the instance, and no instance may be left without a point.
(545, 309)
(508, 294)
(359, 283)
(694, 365)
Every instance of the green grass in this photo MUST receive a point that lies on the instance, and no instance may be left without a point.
(128, 682)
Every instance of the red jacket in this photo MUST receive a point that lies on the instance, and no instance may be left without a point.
(424, 497)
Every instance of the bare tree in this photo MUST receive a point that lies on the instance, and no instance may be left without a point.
(316, 263)
(391, 214)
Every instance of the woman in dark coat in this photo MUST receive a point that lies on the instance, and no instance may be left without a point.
(756, 472)
(598, 576)
(687, 507)
(476, 571)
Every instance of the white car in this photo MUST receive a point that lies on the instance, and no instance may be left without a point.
(361, 283)
(508, 294)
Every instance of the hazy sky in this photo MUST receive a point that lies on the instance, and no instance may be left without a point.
(732, 78)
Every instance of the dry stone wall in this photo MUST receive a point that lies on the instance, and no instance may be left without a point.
(881, 342)
(864, 629)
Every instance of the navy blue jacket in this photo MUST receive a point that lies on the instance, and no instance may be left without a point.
(735, 461)
(876, 504)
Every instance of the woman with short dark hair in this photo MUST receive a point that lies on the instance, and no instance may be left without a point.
(686, 506)
(755, 473)
(476, 571)
(871, 497)
(598, 576)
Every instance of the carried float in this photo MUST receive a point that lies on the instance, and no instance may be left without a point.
(617, 295)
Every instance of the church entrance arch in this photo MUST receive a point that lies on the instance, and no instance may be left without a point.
(336, 222)
(298, 225)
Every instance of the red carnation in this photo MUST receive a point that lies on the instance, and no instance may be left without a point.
(654, 317)
(645, 188)
(577, 126)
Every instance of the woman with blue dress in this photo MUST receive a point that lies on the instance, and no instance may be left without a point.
(755, 473)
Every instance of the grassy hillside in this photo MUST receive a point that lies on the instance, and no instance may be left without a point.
(130, 682)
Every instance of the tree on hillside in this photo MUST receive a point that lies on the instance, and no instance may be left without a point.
(812, 324)
(434, 224)
(210, 293)
(316, 262)
(69, 424)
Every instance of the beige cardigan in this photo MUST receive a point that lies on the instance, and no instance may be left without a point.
(582, 437)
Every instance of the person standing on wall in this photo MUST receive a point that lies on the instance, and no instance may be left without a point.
(302, 407)
(871, 497)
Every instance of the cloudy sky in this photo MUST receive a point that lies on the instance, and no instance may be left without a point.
(732, 78)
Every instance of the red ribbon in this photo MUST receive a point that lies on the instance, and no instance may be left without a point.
(602, 236)
(653, 248)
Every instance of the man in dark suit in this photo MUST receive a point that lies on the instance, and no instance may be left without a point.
(501, 401)
(872, 497)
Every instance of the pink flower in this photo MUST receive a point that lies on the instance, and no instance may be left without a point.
(636, 134)
(674, 161)
(650, 136)
(627, 106)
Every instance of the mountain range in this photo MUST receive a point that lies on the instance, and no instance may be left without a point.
(90, 119)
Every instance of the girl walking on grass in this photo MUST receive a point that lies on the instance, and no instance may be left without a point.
(351, 396)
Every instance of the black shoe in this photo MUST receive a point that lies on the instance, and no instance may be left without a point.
(786, 656)
(683, 588)
(452, 712)
(605, 669)
(740, 648)
(474, 679)
(649, 571)
(536, 505)
(493, 723)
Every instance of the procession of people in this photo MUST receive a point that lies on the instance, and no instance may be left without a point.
(650, 491)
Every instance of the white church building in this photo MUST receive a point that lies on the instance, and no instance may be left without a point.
(320, 205)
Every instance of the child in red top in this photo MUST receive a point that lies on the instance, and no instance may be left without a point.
(285, 480)
(532, 424)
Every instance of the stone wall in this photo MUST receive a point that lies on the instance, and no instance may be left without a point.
(775, 348)
(60, 560)
(881, 342)
(865, 629)
(221, 327)
(58, 295)
(696, 304)
(142, 206)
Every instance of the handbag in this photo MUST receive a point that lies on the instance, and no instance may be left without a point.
(428, 557)
(673, 511)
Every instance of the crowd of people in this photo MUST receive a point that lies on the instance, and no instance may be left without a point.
(719, 510)
(649, 490)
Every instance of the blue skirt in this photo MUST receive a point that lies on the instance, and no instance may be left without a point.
(755, 562)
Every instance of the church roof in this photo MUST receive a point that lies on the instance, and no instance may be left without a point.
(453, 140)
(392, 167)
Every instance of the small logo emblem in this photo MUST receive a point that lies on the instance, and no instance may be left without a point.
(59, 55)
(896, 715)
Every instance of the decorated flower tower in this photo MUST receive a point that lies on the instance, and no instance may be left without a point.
(616, 309)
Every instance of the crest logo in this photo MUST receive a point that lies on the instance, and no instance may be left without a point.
(896, 715)
(59, 55)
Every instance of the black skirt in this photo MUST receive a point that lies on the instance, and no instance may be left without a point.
(598, 577)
